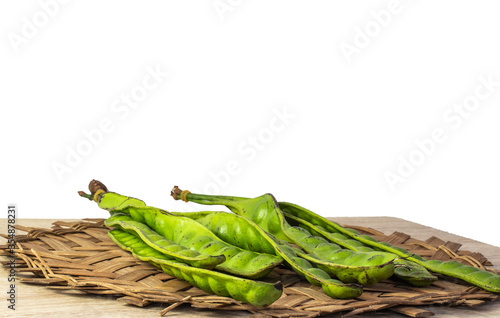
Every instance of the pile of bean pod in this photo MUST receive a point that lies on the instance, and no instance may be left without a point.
(230, 254)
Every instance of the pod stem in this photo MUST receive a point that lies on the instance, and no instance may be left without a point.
(206, 199)
(96, 187)
(85, 195)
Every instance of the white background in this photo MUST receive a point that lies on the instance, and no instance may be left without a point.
(349, 118)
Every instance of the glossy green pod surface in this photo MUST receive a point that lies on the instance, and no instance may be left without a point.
(348, 266)
(245, 290)
(192, 235)
(161, 244)
(475, 276)
(229, 227)
(411, 272)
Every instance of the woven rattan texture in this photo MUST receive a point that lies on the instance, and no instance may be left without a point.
(81, 256)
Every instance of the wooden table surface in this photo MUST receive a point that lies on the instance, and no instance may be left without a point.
(38, 301)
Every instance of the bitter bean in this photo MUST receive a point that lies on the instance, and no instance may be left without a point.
(229, 227)
(192, 235)
(245, 290)
(346, 265)
(475, 276)
(161, 244)
(408, 271)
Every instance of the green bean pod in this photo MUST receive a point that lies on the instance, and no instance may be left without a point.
(348, 266)
(367, 268)
(233, 228)
(117, 204)
(192, 235)
(408, 271)
(245, 290)
(475, 276)
(161, 244)
(413, 273)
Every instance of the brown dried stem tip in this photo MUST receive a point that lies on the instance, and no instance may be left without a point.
(85, 195)
(95, 185)
(176, 192)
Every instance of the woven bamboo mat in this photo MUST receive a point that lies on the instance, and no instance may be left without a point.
(80, 256)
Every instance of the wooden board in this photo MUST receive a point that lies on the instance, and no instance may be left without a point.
(35, 300)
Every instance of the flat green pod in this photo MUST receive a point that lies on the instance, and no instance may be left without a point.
(163, 245)
(367, 268)
(245, 290)
(264, 212)
(475, 276)
(114, 203)
(411, 272)
(190, 235)
(232, 229)
(229, 227)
